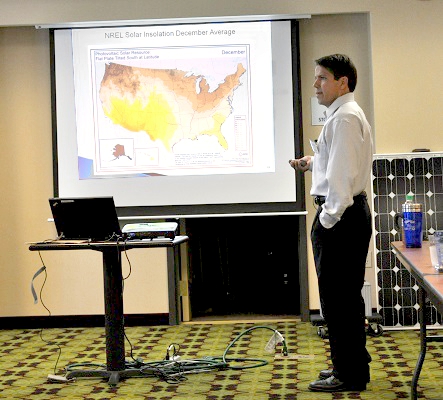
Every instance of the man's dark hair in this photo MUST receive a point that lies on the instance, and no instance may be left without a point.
(340, 65)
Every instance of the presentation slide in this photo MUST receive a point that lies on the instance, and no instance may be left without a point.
(185, 114)
(165, 109)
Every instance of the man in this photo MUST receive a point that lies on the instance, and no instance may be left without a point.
(342, 228)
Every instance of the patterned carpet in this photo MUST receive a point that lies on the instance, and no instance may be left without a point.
(28, 356)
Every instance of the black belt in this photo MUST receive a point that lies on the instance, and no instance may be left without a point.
(319, 200)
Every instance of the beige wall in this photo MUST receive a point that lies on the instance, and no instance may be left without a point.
(395, 44)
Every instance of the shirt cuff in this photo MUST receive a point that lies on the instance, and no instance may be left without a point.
(327, 220)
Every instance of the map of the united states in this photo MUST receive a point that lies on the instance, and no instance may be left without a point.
(170, 105)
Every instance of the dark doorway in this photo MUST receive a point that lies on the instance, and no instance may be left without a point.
(244, 265)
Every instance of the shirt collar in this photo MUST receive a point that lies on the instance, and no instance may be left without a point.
(339, 101)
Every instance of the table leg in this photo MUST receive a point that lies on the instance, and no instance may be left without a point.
(114, 320)
(173, 285)
(114, 324)
(421, 357)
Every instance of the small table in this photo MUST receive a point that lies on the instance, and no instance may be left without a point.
(418, 262)
(113, 294)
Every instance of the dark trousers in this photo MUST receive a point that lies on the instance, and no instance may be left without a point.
(340, 259)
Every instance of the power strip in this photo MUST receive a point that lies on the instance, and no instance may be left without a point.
(57, 378)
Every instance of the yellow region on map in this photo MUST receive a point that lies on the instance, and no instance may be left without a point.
(165, 104)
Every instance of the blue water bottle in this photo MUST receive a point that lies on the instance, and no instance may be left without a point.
(412, 227)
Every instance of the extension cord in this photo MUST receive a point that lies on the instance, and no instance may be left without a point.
(57, 378)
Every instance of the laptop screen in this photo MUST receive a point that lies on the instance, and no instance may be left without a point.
(85, 218)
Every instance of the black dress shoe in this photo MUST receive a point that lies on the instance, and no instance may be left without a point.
(326, 373)
(332, 384)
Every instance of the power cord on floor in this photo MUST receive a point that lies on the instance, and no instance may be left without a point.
(275, 339)
(173, 368)
(51, 343)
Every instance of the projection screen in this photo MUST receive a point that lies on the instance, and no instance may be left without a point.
(178, 119)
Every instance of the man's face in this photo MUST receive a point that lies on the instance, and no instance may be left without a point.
(327, 89)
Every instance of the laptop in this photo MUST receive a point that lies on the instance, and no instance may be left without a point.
(85, 218)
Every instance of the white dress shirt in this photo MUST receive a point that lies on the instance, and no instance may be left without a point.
(342, 159)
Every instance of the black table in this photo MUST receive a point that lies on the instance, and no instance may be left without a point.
(418, 262)
(113, 294)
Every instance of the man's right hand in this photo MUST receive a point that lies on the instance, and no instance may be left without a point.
(300, 164)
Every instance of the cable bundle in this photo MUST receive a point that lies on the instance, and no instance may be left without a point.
(173, 368)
